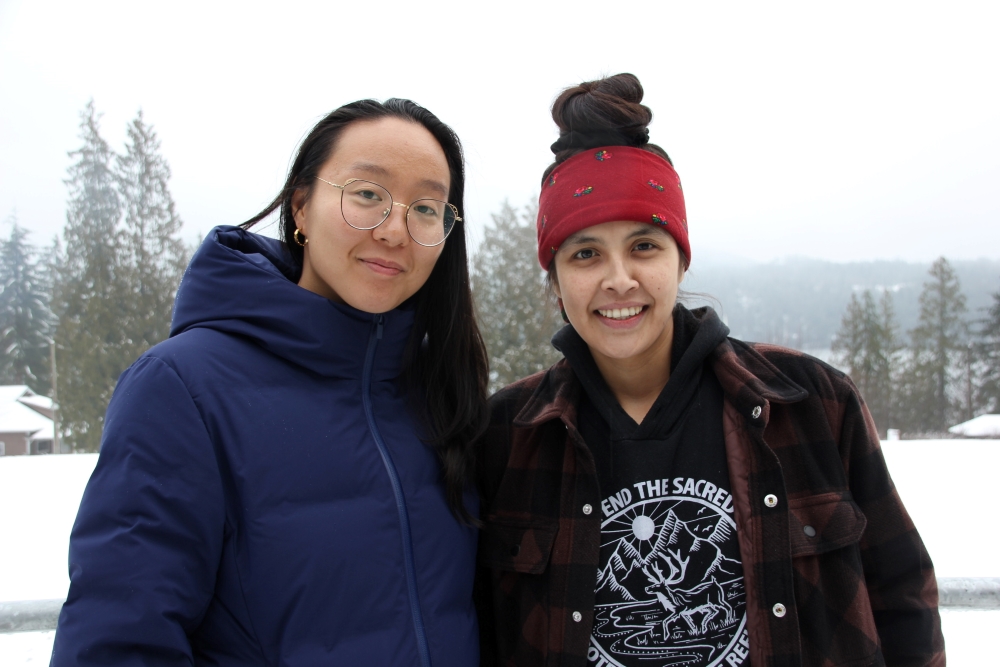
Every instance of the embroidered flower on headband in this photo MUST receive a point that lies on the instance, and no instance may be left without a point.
(655, 185)
(660, 220)
(602, 156)
(554, 249)
(583, 191)
(552, 179)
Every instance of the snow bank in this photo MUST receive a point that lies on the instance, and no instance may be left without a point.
(39, 496)
(947, 486)
(983, 426)
(949, 489)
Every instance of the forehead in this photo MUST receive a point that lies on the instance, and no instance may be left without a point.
(615, 231)
(389, 150)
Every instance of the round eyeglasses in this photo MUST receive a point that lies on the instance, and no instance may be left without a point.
(367, 205)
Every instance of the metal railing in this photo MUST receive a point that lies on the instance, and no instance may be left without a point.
(955, 593)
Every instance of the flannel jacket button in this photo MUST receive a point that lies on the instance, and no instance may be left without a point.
(778, 610)
(587, 509)
(756, 412)
(771, 500)
(809, 531)
(577, 616)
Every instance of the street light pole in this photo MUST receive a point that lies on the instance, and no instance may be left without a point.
(56, 444)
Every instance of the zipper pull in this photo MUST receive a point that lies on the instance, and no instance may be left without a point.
(380, 320)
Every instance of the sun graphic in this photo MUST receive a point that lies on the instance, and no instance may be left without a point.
(643, 527)
(638, 524)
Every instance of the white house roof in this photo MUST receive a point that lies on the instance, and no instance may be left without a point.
(18, 418)
(19, 412)
(983, 426)
(37, 402)
(11, 392)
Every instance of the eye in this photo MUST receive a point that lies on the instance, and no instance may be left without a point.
(645, 245)
(370, 195)
(425, 210)
(586, 253)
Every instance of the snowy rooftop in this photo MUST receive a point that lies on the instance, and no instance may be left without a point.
(15, 417)
(24, 411)
(983, 426)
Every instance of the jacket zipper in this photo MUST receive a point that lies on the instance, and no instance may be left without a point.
(397, 489)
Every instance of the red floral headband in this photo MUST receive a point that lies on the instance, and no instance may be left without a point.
(607, 184)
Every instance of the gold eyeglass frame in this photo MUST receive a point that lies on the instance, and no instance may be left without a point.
(454, 209)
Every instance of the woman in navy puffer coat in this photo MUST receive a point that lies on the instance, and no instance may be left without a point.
(282, 482)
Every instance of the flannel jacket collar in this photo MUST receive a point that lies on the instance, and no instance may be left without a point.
(748, 379)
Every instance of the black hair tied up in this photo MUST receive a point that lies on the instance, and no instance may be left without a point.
(605, 112)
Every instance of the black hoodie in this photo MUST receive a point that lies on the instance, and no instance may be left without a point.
(670, 582)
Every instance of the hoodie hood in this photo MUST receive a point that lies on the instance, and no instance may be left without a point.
(696, 334)
(244, 284)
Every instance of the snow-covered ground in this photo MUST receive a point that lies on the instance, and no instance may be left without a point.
(947, 486)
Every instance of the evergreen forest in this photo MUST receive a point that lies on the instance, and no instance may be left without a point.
(921, 343)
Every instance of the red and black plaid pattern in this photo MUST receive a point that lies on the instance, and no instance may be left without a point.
(837, 550)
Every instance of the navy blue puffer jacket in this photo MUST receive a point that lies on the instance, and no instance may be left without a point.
(262, 496)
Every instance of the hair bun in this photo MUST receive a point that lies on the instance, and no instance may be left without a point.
(606, 112)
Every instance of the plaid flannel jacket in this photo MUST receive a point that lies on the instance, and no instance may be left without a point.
(859, 591)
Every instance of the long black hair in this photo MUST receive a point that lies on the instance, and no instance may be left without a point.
(445, 365)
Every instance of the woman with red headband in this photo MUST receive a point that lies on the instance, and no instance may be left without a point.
(665, 494)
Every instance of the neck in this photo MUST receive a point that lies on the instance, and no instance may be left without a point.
(637, 381)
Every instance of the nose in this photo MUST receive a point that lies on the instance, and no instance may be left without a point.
(619, 276)
(393, 228)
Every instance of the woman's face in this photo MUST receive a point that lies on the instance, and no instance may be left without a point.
(372, 270)
(618, 282)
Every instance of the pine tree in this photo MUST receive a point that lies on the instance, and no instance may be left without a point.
(154, 255)
(90, 296)
(515, 313)
(987, 353)
(867, 345)
(25, 318)
(937, 343)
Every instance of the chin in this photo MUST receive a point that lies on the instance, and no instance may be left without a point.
(373, 303)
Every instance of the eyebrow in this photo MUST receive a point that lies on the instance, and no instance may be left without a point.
(382, 172)
(580, 238)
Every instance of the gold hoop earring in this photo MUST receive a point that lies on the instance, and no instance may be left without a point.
(299, 237)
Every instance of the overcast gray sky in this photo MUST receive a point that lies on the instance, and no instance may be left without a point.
(843, 131)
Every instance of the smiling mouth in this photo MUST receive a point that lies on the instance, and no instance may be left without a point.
(383, 266)
(621, 313)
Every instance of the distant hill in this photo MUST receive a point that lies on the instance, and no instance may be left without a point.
(800, 302)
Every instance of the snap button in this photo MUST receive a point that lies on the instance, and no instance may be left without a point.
(756, 412)
(778, 610)
(770, 500)
(515, 550)
(809, 531)
(587, 509)
(577, 616)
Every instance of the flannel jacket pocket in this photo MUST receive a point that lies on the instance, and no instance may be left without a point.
(824, 535)
(823, 523)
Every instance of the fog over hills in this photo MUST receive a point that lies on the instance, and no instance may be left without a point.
(799, 302)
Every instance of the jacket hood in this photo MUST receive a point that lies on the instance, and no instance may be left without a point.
(695, 335)
(244, 284)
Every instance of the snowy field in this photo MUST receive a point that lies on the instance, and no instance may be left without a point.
(947, 486)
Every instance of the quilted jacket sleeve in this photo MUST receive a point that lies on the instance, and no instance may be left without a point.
(898, 572)
(148, 537)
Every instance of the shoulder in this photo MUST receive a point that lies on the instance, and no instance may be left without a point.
(812, 374)
(537, 397)
(774, 364)
(198, 355)
(507, 402)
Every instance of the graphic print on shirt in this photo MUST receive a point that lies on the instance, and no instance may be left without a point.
(670, 561)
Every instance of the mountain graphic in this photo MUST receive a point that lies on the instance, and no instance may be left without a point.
(623, 579)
